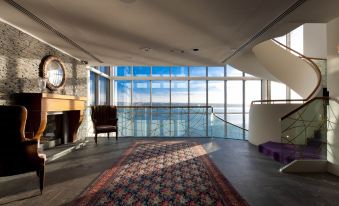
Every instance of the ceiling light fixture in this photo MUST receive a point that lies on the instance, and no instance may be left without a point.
(146, 49)
(177, 51)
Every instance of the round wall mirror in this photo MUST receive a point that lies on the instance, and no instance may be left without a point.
(54, 72)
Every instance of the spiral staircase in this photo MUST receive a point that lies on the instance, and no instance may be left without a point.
(304, 128)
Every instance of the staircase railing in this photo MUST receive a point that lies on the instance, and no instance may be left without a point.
(222, 128)
(304, 130)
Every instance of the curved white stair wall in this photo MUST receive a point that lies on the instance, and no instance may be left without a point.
(291, 70)
(264, 122)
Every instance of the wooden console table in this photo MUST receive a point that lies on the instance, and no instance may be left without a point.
(39, 104)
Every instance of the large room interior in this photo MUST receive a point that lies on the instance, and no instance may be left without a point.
(135, 102)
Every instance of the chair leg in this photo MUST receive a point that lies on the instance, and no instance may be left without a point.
(41, 174)
(116, 135)
(96, 138)
(107, 135)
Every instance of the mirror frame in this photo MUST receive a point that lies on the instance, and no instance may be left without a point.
(49, 85)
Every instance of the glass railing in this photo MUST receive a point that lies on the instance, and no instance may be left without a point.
(175, 121)
(305, 130)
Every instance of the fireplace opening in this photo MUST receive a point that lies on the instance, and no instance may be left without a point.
(56, 131)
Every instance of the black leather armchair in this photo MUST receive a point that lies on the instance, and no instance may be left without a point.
(105, 120)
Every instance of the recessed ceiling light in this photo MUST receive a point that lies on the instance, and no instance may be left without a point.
(177, 51)
(146, 49)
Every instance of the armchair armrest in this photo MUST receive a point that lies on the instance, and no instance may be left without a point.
(28, 142)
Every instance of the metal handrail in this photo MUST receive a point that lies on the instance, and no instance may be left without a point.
(228, 122)
(308, 102)
(278, 100)
(211, 107)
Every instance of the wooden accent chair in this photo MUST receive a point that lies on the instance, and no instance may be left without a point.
(18, 154)
(105, 120)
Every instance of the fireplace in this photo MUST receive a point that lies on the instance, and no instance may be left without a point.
(56, 131)
(42, 105)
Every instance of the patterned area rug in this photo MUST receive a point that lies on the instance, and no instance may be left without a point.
(162, 173)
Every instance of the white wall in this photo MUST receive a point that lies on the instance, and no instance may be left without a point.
(315, 39)
(265, 122)
(333, 87)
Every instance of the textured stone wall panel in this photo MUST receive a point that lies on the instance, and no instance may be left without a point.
(20, 57)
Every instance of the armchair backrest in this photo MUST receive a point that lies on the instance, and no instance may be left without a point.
(12, 124)
(104, 114)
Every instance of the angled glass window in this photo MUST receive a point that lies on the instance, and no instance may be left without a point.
(197, 71)
(232, 72)
(92, 88)
(297, 39)
(281, 39)
(141, 93)
(141, 71)
(278, 91)
(103, 91)
(123, 71)
(160, 93)
(104, 69)
(123, 92)
(161, 71)
(295, 95)
(179, 71)
(216, 71)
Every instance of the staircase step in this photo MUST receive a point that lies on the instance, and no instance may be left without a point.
(286, 153)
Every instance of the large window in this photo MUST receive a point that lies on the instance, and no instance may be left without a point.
(235, 102)
(179, 93)
(197, 71)
(197, 95)
(123, 71)
(226, 89)
(141, 93)
(141, 71)
(252, 93)
(123, 92)
(216, 97)
(160, 93)
(179, 71)
(161, 71)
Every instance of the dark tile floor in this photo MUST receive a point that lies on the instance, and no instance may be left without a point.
(256, 177)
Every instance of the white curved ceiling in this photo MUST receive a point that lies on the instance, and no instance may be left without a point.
(118, 31)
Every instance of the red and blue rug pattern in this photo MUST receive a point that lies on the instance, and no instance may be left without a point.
(162, 173)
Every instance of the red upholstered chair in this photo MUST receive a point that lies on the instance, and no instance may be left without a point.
(18, 154)
(105, 120)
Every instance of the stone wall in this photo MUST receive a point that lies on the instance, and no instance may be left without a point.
(20, 57)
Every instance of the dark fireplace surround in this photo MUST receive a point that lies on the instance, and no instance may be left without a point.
(56, 131)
